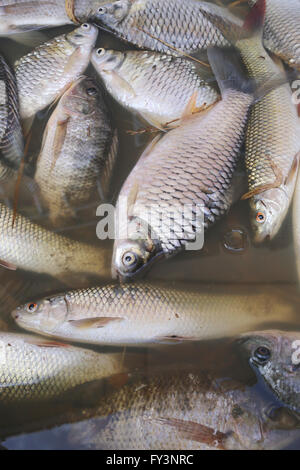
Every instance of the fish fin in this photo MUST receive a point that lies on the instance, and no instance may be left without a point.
(298, 109)
(255, 20)
(7, 265)
(44, 343)
(59, 139)
(119, 380)
(153, 122)
(229, 70)
(27, 125)
(196, 432)
(96, 322)
(120, 82)
(294, 170)
(191, 107)
(174, 339)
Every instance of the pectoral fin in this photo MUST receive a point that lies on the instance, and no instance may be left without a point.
(96, 322)
(196, 432)
(7, 265)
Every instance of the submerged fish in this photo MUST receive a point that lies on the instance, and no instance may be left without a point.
(186, 411)
(33, 368)
(17, 16)
(182, 183)
(79, 147)
(157, 86)
(150, 24)
(46, 72)
(276, 356)
(281, 30)
(11, 137)
(25, 245)
(147, 314)
(272, 141)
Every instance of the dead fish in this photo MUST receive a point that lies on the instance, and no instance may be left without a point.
(149, 314)
(156, 86)
(281, 30)
(182, 183)
(150, 24)
(275, 355)
(28, 246)
(186, 411)
(272, 141)
(33, 368)
(11, 136)
(17, 16)
(296, 224)
(79, 147)
(48, 70)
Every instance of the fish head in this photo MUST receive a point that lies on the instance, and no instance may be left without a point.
(112, 13)
(275, 355)
(81, 98)
(130, 257)
(268, 210)
(84, 35)
(106, 60)
(41, 315)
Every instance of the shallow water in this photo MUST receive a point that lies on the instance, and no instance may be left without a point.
(228, 257)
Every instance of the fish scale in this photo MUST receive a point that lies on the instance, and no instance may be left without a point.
(11, 136)
(176, 22)
(69, 165)
(150, 314)
(33, 248)
(50, 68)
(281, 29)
(157, 86)
(33, 368)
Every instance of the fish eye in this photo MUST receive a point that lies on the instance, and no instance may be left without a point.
(262, 354)
(260, 217)
(31, 307)
(129, 258)
(102, 10)
(92, 91)
(86, 26)
(100, 51)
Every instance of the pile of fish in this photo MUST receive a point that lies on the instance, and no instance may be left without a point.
(214, 89)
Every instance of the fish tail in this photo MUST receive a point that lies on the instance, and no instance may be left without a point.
(229, 70)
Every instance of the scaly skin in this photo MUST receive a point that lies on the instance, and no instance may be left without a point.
(158, 87)
(79, 147)
(149, 314)
(47, 71)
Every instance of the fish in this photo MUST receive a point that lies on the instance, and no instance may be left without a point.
(30, 247)
(19, 16)
(156, 86)
(79, 147)
(181, 184)
(150, 314)
(47, 71)
(272, 137)
(281, 30)
(163, 26)
(296, 225)
(275, 356)
(33, 368)
(11, 135)
(183, 411)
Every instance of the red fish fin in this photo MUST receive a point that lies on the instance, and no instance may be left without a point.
(7, 265)
(298, 109)
(118, 380)
(96, 322)
(196, 432)
(47, 344)
(255, 20)
(191, 107)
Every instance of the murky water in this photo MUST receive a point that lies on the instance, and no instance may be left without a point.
(228, 257)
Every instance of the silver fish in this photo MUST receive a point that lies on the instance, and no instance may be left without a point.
(156, 86)
(149, 314)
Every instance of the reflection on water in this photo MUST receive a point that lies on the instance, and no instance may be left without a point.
(228, 257)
